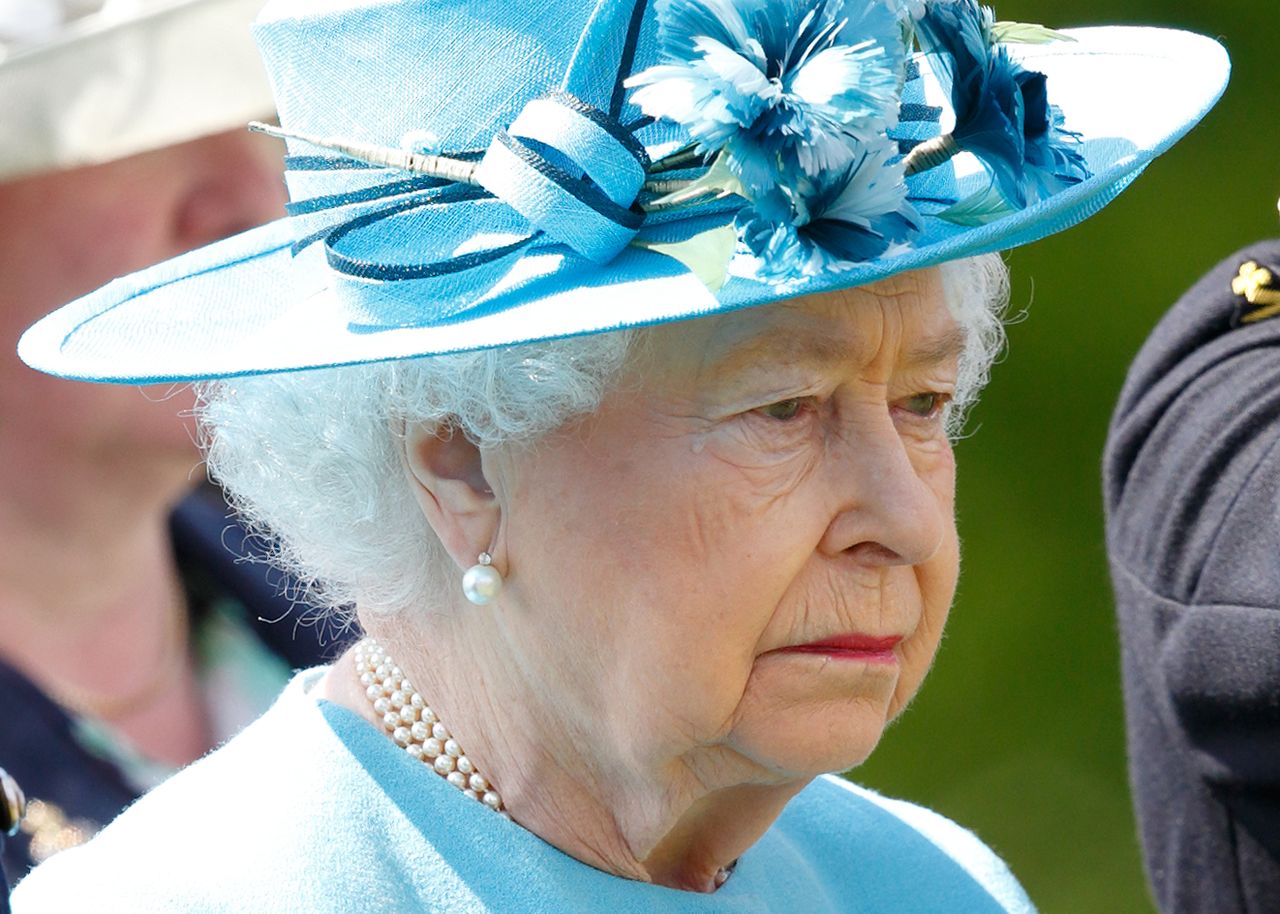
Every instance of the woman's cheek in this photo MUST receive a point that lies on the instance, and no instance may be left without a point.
(770, 463)
(936, 581)
(934, 461)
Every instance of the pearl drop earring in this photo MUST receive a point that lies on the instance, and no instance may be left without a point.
(482, 583)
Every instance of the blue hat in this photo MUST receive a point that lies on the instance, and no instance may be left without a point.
(473, 175)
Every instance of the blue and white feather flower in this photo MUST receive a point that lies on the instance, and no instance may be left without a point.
(908, 10)
(831, 223)
(1002, 111)
(1054, 159)
(784, 89)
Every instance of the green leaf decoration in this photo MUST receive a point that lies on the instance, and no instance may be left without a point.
(1026, 33)
(979, 209)
(706, 254)
(718, 182)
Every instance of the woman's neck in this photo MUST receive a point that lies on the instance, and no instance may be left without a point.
(681, 823)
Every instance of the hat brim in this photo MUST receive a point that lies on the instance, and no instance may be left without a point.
(108, 86)
(248, 306)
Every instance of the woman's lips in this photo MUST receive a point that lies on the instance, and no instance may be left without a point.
(866, 648)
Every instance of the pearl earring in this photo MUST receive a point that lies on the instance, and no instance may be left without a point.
(482, 583)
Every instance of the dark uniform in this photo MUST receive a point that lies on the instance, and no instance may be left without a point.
(75, 791)
(1193, 530)
(12, 807)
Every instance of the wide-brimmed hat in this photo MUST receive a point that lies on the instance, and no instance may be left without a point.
(472, 175)
(86, 81)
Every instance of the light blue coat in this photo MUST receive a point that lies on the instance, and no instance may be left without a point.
(349, 823)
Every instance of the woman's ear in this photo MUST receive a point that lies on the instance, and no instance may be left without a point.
(447, 477)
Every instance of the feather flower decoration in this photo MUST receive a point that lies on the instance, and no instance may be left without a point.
(787, 89)
(829, 224)
(913, 8)
(1053, 157)
(1003, 115)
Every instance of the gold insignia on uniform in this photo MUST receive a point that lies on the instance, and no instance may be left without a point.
(1256, 285)
(51, 830)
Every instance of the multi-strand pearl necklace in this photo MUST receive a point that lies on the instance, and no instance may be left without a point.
(418, 730)
(415, 727)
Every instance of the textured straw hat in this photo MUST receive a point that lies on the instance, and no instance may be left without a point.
(473, 175)
(86, 81)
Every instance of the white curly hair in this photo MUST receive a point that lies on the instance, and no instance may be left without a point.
(311, 460)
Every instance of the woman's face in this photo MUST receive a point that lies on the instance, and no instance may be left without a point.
(745, 557)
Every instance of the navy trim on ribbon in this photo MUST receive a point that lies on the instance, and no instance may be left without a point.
(627, 60)
(609, 125)
(390, 198)
(373, 270)
(367, 269)
(421, 197)
(365, 195)
(587, 192)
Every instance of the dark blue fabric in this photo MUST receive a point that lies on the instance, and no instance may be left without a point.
(1193, 527)
(392, 272)
(626, 64)
(38, 749)
(219, 558)
(37, 746)
(365, 195)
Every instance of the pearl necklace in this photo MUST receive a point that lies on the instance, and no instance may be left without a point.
(415, 727)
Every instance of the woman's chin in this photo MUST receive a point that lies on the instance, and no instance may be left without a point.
(839, 749)
(805, 729)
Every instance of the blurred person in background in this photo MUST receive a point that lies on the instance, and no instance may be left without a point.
(1193, 502)
(127, 629)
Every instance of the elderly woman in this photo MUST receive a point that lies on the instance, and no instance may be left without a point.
(630, 444)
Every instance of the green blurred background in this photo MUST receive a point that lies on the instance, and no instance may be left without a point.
(1019, 732)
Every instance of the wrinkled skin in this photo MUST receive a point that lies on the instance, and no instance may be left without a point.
(761, 479)
(666, 545)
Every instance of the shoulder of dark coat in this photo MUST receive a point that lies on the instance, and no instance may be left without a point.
(1194, 434)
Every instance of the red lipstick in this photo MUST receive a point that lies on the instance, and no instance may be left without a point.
(866, 648)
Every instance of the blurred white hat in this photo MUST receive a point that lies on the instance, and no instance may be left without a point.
(89, 81)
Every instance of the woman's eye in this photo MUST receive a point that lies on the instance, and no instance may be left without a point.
(783, 410)
(926, 406)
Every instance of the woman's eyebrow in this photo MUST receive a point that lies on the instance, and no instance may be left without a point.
(934, 350)
(789, 345)
(813, 346)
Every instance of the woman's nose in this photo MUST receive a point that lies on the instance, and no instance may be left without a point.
(888, 513)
